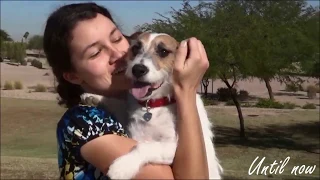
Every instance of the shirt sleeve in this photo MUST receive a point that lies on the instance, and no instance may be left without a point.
(82, 124)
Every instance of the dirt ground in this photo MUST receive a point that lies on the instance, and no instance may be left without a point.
(31, 76)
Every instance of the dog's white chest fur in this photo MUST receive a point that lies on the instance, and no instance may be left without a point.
(161, 127)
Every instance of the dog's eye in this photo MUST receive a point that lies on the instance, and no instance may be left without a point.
(163, 52)
(136, 48)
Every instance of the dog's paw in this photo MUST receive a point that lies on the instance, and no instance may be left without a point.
(90, 99)
(125, 167)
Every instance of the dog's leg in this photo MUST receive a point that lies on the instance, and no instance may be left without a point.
(127, 166)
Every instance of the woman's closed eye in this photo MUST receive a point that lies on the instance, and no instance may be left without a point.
(117, 40)
(95, 54)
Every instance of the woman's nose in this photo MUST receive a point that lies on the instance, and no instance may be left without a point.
(116, 54)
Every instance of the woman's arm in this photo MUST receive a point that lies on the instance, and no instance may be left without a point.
(190, 160)
(102, 151)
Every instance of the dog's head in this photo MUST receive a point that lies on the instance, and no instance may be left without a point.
(150, 62)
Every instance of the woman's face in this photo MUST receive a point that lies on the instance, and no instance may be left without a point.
(97, 53)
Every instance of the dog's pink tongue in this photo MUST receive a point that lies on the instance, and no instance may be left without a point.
(139, 90)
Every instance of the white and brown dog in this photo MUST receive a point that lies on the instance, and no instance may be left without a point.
(152, 109)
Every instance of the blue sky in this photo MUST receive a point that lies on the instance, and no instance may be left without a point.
(17, 17)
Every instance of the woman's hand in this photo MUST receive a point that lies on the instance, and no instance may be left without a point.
(189, 67)
(190, 160)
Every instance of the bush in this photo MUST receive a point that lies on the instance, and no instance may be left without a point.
(209, 101)
(40, 88)
(243, 95)
(289, 105)
(24, 63)
(230, 103)
(291, 87)
(247, 105)
(8, 85)
(309, 106)
(18, 85)
(268, 103)
(36, 64)
(224, 94)
(312, 91)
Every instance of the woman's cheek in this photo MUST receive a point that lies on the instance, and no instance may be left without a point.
(98, 68)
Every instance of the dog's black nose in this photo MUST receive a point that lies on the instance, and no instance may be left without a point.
(139, 70)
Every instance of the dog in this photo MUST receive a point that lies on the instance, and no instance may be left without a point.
(152, 108)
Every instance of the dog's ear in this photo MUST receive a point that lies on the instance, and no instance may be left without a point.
(135, 35)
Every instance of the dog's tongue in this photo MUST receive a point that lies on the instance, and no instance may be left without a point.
(140, 89)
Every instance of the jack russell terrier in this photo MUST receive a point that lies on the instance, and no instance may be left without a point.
(152, 108)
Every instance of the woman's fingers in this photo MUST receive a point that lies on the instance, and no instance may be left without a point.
(203, 54)
(194, 49)
(181, 55)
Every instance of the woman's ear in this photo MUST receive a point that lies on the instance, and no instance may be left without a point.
(72, 78)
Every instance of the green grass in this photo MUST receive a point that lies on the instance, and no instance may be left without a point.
(28, 139)
(28, 127)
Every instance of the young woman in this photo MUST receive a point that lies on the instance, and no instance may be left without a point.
(85, 50)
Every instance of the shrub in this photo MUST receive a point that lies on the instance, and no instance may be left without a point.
(24, 63)
(243, 95)
(40, 88)
(8, 85)
(268, 103)
(291, 87)
(209, 101)
(36, 64)
(309, 106)
(289, 105)
(312, 91)
(224, 94)
(230, 103)
(18, 85)
(247, 105)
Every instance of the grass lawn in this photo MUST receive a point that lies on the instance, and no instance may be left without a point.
(28, 140)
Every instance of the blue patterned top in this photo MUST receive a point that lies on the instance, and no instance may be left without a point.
(77, 126)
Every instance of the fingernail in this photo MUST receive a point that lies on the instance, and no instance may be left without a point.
(184, 43)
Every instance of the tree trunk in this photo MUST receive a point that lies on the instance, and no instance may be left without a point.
(211, 86)
(205, 83)
(236, 102)
(267, 81)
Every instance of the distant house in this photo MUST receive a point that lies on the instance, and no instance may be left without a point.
(35, 53)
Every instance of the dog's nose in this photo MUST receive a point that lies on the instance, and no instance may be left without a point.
(139, 70)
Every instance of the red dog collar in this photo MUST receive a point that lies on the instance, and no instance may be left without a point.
(152, 103)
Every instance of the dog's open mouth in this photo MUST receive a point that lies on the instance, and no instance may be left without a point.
(144, 89)
(119, 70)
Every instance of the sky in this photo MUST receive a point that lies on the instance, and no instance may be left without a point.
(17, 17)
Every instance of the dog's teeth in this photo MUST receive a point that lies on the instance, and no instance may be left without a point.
(119, 70)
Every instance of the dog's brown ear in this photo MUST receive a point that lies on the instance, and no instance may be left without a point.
(135, 35)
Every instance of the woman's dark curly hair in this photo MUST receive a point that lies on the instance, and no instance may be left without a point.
(56, 41)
